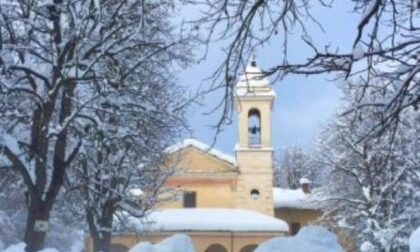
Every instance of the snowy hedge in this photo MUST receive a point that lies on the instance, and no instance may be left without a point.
(311, 238)
(20, 247)
(8, 230)
(175, 243)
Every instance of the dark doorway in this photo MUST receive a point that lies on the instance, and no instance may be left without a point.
(249, 248)
(117, 247)
(216, 248)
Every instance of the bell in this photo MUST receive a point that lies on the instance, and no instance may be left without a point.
(254, 130)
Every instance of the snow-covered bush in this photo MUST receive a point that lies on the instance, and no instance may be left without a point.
(67, 222)
(65, 234)
(20, 247)
(7, 230)
(310, 238)
(175, 243)
(367, 247)
(415, 241)
(372, 192)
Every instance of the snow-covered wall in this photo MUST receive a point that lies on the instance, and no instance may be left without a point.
(310, 238)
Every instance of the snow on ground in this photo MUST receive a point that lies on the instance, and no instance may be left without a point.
(7, 230)
(310, 238)
(78, 245)
(367, 247)
(208, 219)
(415, 241)
(175, 243)
(203, 147)
(294, 198)
(20, 247)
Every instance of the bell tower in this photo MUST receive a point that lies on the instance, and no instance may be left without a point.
(254, 154)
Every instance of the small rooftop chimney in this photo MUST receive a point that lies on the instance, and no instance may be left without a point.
(305, 185)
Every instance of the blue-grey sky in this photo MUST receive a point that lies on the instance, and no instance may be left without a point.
(302, 103)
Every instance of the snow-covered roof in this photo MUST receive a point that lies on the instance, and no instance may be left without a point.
(203, 147)
(208, 219)
(303, 181)
(293, 198)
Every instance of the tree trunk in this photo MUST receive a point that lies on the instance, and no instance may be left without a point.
(100, 229)
(102, 242)
(35, 239)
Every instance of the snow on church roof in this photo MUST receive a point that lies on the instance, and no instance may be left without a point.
(209, 219)
(293, 198)
(203, 147)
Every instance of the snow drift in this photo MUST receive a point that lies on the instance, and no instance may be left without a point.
(311, 238)
(20, 247)
(175, 243)
(415, 241)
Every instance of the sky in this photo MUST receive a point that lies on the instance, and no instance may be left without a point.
(302, 104)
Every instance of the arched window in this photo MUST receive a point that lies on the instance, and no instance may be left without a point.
(117, 247)
(249, 248)
(255, 194)
(216, 248)
(254, 127)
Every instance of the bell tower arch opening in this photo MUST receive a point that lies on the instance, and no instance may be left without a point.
(254, 127)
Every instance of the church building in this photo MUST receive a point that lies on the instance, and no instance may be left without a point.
(227, 203)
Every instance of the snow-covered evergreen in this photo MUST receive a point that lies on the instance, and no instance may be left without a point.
(374, 184)
(294, 163)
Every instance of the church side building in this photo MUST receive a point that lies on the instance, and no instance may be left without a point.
(224, 203)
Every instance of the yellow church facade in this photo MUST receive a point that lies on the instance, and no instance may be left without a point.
(225, 203)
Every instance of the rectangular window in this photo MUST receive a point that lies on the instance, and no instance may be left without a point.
(294, 228)
(190, 199)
